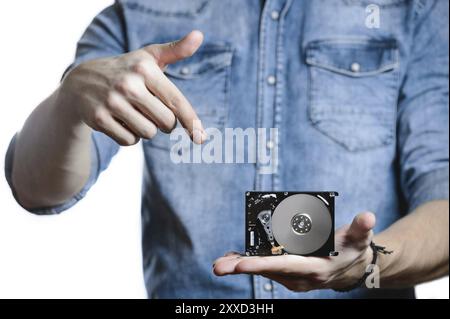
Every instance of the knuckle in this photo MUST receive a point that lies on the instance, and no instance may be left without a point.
(168, 125)
(175, 102)
(127, 141)
(133, 140)
(113, 101)
(128, 85)
(149, 132)
(100, 117)
(141, 67)
(121, 141)
(136, 140)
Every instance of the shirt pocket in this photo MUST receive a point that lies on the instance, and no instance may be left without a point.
(204, 81)
(353, 91)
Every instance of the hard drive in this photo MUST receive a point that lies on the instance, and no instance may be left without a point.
(299, 223)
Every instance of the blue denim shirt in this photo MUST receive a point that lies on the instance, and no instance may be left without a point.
(360, 109)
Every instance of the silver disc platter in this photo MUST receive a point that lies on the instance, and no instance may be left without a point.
(301, 223)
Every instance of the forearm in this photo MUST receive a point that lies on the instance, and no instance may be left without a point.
(126, 97)
(52, 155)
(420, 242)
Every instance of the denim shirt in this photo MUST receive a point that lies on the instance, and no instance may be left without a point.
(360, 104)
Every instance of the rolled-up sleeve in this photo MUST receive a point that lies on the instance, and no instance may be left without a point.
(104, 37)
(95, 171)
(423, 116)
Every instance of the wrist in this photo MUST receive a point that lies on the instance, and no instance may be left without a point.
(360, 266)
(387, 265)
(66, 110)
(366, 258)
(370, 268)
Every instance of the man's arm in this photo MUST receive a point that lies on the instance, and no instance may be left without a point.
(52, 155)
(49, 160)
(420, 253)
(125, 96)
(420, 239)
(420, 242)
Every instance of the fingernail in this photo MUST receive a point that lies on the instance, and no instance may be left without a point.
(197, 136)
(231, 253)
(204, 136)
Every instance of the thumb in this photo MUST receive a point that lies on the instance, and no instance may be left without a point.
(361, 228)
(172, 52)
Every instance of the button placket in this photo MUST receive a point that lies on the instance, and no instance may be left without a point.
(268, 97)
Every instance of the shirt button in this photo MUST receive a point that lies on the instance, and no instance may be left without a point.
(270, 144)
(271, 80)
(268, 286)
(185, 70)
(355, 67)
(275, 15)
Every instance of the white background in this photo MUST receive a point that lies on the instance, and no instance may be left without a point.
(92, 250)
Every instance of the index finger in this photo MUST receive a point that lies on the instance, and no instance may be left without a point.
(285, 265)
(157, 82)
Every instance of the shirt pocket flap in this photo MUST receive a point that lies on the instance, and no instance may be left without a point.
(209, 59)
(168, 8)
(355, 58)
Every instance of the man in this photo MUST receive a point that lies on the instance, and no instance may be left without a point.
(361, 107)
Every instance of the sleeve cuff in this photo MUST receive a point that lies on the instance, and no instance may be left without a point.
(70, 202)
(431, 186)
